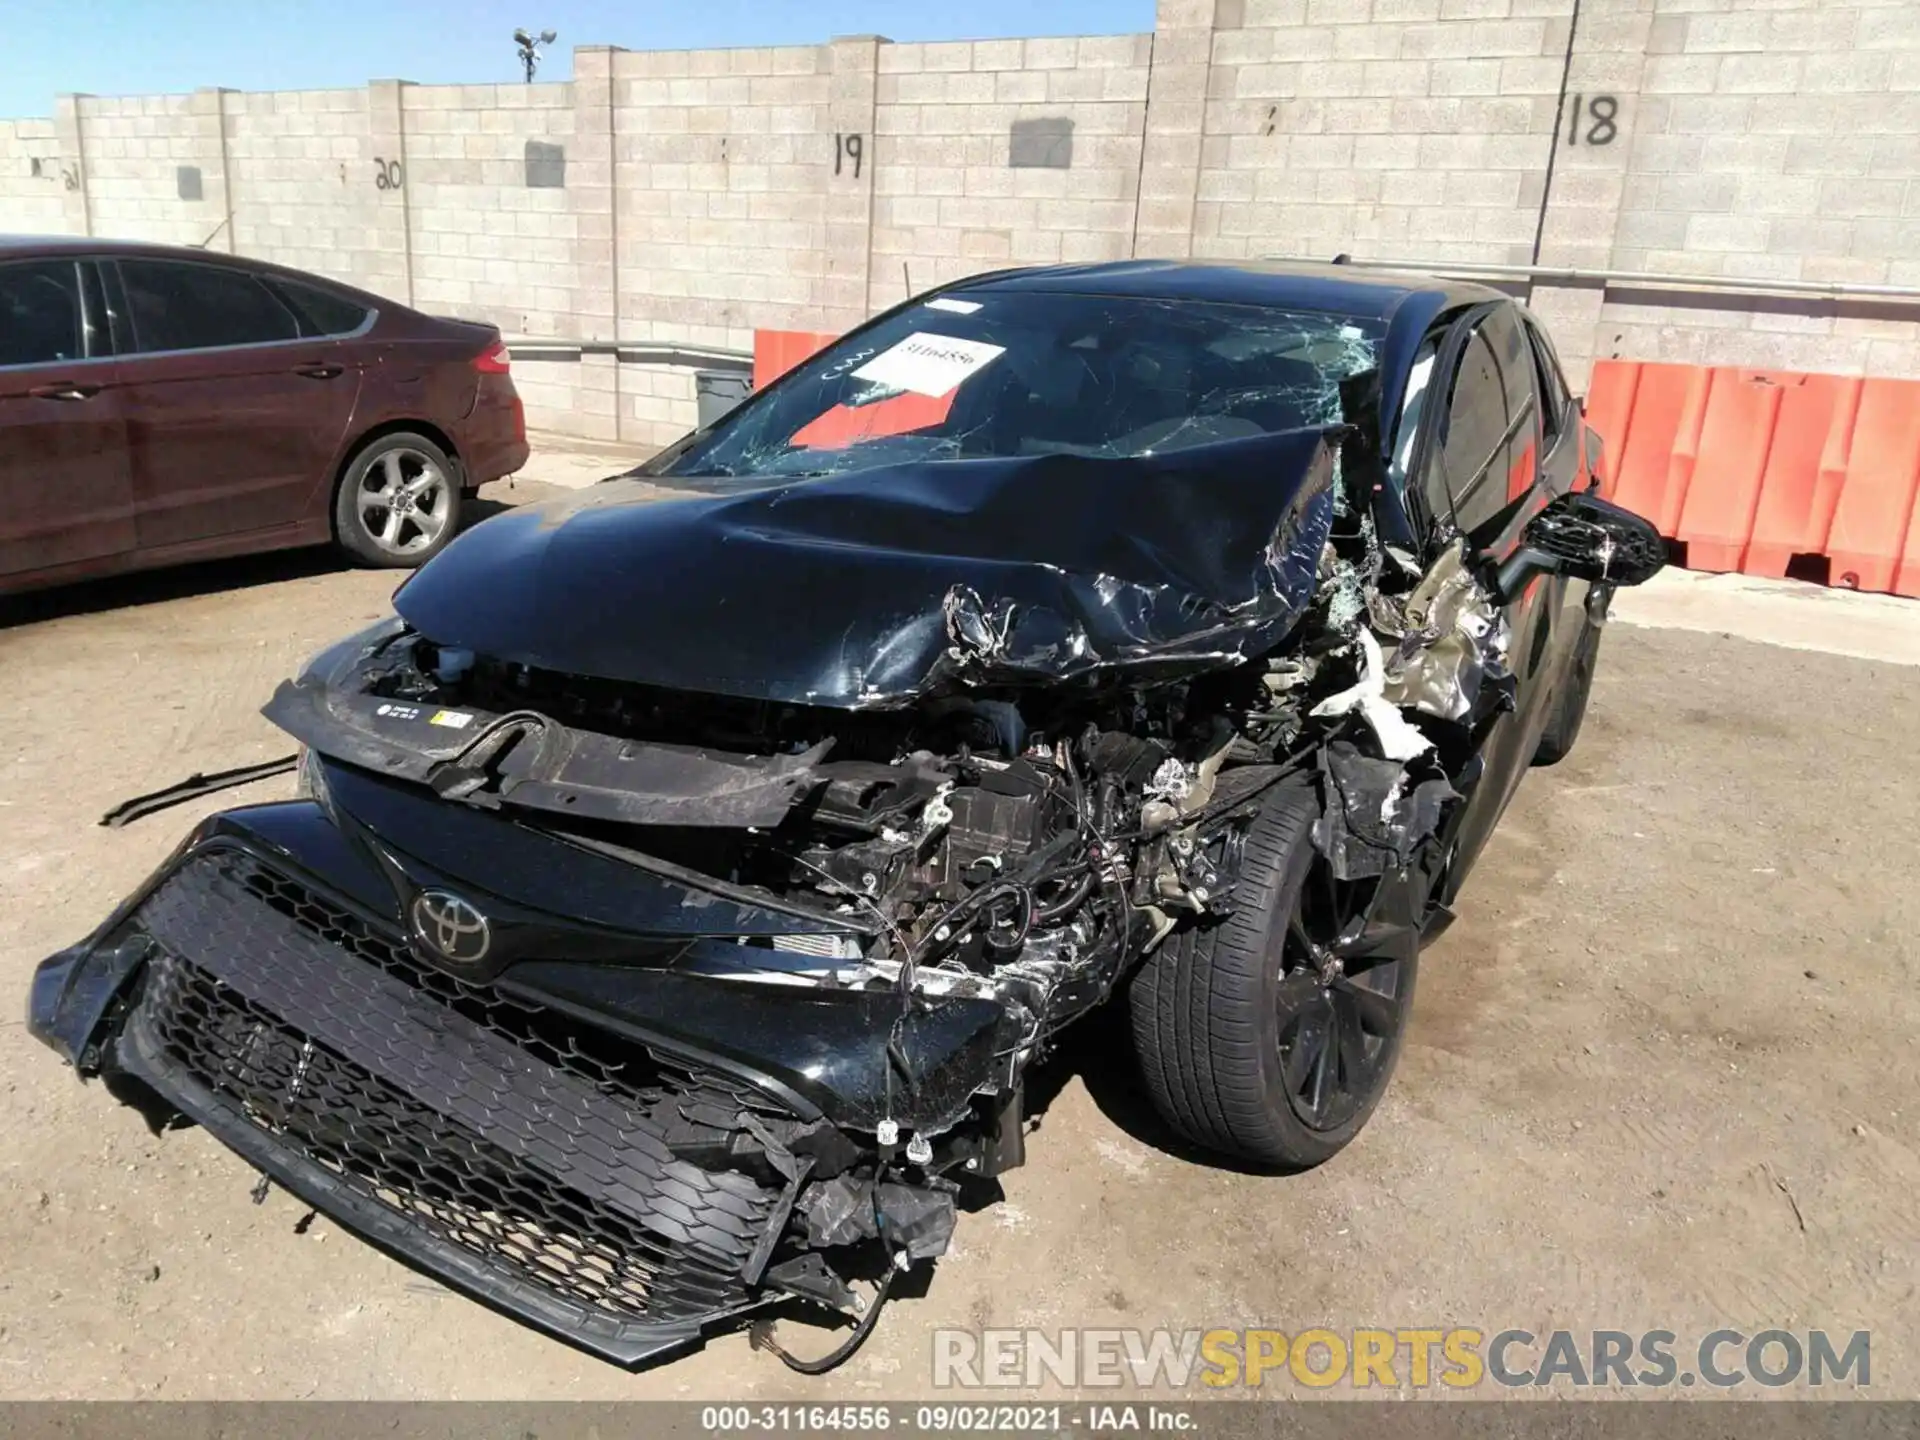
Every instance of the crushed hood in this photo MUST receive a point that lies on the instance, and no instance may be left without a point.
(871, 587)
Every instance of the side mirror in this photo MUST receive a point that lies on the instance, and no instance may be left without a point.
(1583, 537)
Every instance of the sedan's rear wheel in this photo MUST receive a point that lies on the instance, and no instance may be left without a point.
(399, 502)
(1272, 1035)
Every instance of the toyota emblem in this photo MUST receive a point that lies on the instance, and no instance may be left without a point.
(451, 928)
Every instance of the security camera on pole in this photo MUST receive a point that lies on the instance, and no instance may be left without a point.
(530, 49)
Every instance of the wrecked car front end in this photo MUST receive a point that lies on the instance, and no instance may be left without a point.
(684, 887)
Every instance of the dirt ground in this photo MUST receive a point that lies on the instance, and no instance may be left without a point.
(1663, 1073)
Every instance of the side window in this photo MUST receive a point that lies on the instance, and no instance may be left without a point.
(184, 306)
(1491, 454)
(40, 313)
(1519, 371)
(321, 311)
(1476, 436)
(1554, 395)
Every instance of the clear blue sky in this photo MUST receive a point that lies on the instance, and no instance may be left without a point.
(144, 47)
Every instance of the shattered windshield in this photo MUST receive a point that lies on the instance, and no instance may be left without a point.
(1005, 374)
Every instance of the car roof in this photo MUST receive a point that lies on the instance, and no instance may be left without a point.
(30, 246)
(1280, 284)
(94, 245)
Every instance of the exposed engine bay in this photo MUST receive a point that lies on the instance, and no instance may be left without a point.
(1015, 847)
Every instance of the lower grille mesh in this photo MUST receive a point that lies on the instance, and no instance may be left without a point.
(250, 1029)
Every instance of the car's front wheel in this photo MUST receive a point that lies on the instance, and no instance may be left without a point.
(398, 502)
(1570, 705)
(1272, 1035)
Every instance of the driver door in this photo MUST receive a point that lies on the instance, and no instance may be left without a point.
(1482, 478)
(66, 489)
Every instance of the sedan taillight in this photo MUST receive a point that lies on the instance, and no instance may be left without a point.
(495, 361)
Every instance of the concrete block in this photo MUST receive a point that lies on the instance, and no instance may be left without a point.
(1739, 31)
(1896, 155)
(1366, 42)
(1893, 28)
(947, 55)
(1695, 193)
(1303, 43)
(1680, 74)
(1706, 115)
(1509, 37)
(997, 54)
(1238, 47)
(1735, 234)
(1466, 77)
(1855, 196)
(1395, 77)
(1052, 53)
(1260, 14)
(1745, 154)
(1759, 74)
(1536, 75)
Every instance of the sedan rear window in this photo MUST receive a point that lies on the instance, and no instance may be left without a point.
(983, 373)
(39, 313)
(322, 312)
(183, 306)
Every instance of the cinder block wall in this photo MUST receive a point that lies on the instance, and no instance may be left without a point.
(484, 242)
(699, 195)
(950, 199)
(154, 167)
(298, 167)
(1379, 129)
(35, 176)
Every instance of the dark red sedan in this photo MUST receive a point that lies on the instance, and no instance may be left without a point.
(160, 405)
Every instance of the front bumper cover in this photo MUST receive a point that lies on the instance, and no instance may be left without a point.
(480, 1131)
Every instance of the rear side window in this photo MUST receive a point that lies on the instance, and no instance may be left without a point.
(178, 306)
(40, 313)
(321, 311)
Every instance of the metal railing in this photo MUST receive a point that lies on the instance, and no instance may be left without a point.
(526, 347)
(1566, 275)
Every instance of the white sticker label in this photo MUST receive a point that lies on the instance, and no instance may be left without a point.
(928, 364)
(953, 307)
(452, 719)
(399, 712)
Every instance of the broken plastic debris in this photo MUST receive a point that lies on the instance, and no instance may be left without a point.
(1399, 738)
(1376, 814)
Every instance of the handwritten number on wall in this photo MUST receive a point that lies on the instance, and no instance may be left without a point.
(387, 175)
(1603, 111)
(848, 150)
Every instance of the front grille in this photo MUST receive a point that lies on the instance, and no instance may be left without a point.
(533, 1146)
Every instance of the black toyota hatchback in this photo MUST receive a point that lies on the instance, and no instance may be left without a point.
(684, 887)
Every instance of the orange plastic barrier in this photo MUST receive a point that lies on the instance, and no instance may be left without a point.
(777, 351)
(1805, 470)
(1751, 468)
(1739, 411)
(1871, 522)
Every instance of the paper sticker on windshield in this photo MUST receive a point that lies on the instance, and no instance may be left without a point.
(929, 364)
(953, 307)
